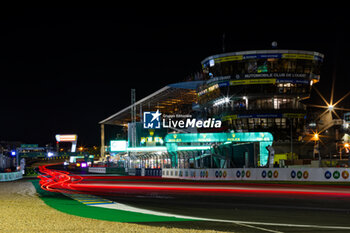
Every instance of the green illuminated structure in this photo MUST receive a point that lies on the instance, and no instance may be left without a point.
(264, 138)
(175, 143)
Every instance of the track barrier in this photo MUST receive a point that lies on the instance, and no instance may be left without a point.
(277, 174)
(10, 176)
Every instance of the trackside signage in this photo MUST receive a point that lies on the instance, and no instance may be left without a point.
(152, 120)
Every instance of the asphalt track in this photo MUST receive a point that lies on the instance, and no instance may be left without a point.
(236, 207)
(251, 209)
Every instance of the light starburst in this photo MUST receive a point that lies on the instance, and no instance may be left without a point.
(331, 105)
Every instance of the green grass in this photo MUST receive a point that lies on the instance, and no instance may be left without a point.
(67, 205)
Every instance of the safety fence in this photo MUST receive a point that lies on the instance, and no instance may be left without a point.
(261, 174)
(107, 170)
(148, 172)
(9, 176)
(56, 158)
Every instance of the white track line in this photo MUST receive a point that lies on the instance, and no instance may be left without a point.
(124, 207)
(119, 206)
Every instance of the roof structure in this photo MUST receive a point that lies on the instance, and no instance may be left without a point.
(173, 98)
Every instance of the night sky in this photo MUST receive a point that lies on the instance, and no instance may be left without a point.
(64, 70)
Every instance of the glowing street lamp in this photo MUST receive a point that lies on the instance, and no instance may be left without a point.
(315, 136)
(347, 147)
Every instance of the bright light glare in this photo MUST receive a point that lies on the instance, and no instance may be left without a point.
(221, 101)
(330, 107)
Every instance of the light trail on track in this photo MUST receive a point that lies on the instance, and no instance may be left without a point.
(62, 181)
(268, 207)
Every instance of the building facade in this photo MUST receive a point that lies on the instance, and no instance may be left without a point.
(259, 90)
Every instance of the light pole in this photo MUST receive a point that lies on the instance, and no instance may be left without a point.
(316, 138)
(291, 137)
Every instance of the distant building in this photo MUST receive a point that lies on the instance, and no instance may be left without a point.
(260, 90)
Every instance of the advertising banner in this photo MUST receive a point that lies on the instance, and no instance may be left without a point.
(261, 174)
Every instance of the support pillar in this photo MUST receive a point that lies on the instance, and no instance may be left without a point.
(102, 150)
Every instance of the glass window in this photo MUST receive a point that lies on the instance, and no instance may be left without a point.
(251, 66)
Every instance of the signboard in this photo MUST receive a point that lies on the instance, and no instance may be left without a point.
(29, 145)
(220, 137)
(73, 138)
(118, 145)
(265, 115)
(66, 137)
(323, 174)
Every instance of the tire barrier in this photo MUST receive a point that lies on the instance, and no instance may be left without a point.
(345, 174)
(203, 174)
(293, 174)
(193, 174)
(306, 174)
(327, 175)
(269, 174)
(148, 172)
(277, 174)
(299, 174)
(218, 174)
(336, 175)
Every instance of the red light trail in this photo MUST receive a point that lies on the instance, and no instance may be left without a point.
(62, 181)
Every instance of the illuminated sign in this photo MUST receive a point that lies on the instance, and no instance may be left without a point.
(265, 115)
(73, 138)
(66, 137)
(29, 145)
(267, 56)
(151, 139)
(119, 145)
(252, 81)
(220, 137)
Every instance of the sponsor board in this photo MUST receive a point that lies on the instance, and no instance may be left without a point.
(278, 174)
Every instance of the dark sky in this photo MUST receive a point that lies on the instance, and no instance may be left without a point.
(64, 70)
